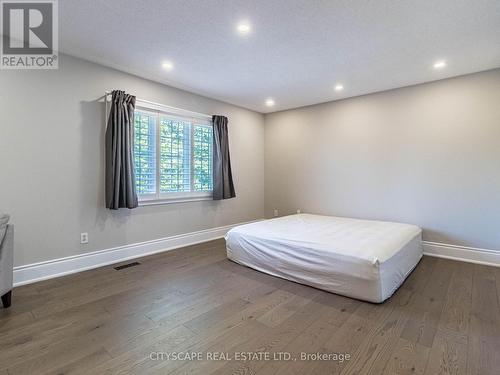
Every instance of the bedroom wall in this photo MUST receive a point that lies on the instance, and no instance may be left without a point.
(52, 163)
(427, 155)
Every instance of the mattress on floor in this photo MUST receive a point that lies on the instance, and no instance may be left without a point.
(362, 259)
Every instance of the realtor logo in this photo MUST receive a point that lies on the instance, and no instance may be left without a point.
(29, 34)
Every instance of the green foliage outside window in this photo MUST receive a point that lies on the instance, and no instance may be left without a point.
(185, 154)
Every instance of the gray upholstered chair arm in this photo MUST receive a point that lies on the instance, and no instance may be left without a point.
(7, 260)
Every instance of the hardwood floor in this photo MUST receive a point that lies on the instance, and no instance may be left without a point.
(445, 319)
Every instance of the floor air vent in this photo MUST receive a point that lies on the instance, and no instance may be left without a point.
(127, 266)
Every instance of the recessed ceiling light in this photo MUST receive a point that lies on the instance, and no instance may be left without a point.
(339, 87)
(269, 102)
(167, 65)
(439, 64)
(243, 28)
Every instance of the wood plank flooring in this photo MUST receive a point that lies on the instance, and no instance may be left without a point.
(445, 319)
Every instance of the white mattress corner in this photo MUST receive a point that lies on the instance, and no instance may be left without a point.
(363, 259)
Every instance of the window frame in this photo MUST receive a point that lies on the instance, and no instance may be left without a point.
(193, 118)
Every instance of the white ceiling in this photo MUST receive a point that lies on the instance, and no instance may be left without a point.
(297, 50)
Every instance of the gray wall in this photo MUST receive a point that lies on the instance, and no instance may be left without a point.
(51, 163)
(428, 155)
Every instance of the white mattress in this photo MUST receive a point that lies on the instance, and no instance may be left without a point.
(362, 259)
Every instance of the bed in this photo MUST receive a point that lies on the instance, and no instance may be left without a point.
(363, 259)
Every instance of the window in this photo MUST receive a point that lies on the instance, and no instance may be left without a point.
(172, 156)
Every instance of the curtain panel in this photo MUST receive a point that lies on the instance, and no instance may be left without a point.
(120, 173)
(223, 187)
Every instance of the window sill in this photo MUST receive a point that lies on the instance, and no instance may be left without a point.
(157, 202)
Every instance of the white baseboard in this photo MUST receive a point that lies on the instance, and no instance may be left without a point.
(31, 273)
(462, 253)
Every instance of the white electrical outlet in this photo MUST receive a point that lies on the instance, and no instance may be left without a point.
(84, 238)
(276, 213)
(298, 210)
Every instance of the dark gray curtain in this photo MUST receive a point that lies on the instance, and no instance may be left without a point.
(120, 174)
(223, 178)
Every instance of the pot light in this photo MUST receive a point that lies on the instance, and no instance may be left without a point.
(167, 65)
(243, 28)
(269, 102)
(439, 64)
(339, 87)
